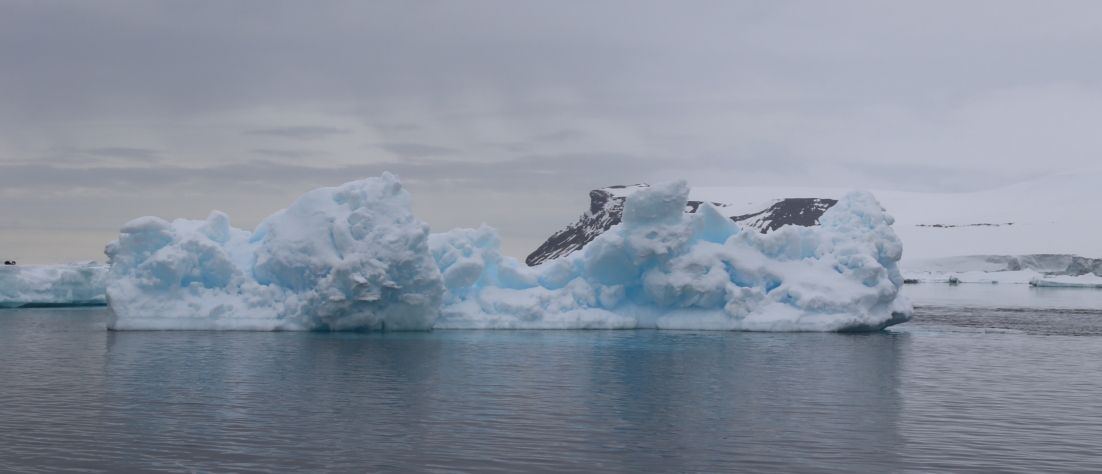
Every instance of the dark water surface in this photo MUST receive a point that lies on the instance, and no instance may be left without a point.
(960, 389)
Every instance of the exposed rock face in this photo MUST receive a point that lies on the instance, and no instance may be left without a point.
(793, 211)
(605, 211)
(606, 208)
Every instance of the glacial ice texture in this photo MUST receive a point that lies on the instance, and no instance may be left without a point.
(346, 258)
(662, 268)
(74, 284)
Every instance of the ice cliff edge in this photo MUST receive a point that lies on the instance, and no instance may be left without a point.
(355, 258)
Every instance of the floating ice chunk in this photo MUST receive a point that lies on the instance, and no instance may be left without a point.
(1067, 281)
(662, 268)
(346, 258)
(74, 284)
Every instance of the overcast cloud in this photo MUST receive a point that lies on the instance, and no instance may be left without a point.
(509, 112)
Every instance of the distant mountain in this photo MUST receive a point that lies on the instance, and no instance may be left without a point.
(789, 211)
(606, 207)
(1057, 214)
(1049, 264)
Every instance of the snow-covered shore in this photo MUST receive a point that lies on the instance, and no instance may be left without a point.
(1036, 270)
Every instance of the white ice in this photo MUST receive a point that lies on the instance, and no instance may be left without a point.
(346, 258)
(1067, 281)
(662, 268)
(76, 284)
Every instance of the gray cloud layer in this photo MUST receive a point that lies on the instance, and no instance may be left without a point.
(300, 132)
(509, 112)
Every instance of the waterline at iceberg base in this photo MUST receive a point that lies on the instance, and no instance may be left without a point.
(355, 258)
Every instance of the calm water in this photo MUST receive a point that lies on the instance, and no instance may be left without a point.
(985, 379)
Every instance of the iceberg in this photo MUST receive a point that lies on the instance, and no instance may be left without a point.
(355, 258)
(663, 268)
(346, 258)
(74, 284)
(1068, 281)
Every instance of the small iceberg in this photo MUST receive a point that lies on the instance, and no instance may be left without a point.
(1066, 281)
(74, 284)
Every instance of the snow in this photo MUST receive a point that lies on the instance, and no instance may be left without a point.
(346, 258)
(964, 263)
(1055, 214)
(74, 284)
(1020, 277)
(663, 268)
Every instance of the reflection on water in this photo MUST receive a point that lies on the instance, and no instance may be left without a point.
(79, 397)
(942, 393)
(1041, 322)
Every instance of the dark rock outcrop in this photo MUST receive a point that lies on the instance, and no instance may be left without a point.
(792, 211)
(604, 212)
(606, 207)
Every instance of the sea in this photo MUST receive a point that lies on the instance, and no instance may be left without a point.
(986, 378)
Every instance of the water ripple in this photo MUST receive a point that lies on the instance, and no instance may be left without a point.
(76, 398)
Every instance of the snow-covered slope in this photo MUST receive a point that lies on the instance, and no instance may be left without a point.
(606, 208)
(1056, 214)
(76, 284)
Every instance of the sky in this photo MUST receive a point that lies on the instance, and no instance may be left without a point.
(509, 112)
